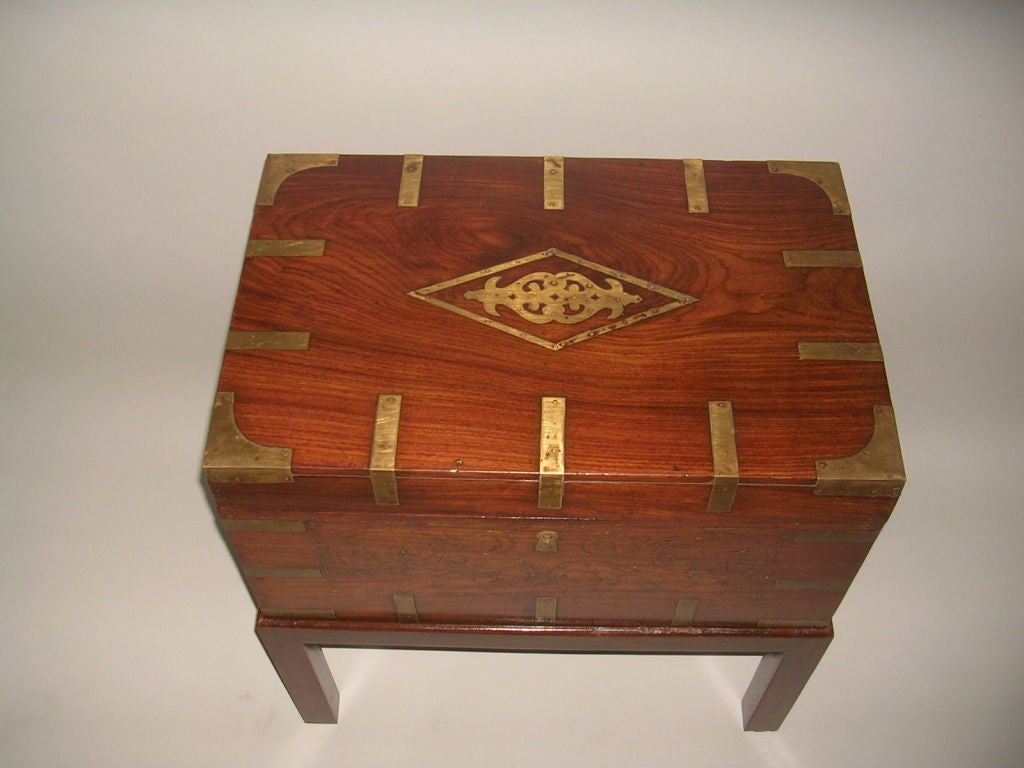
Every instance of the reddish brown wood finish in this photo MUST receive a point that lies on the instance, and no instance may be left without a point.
(638, 550)
(637, 397)
(789, 656)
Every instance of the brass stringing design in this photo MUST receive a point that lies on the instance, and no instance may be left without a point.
(563, 298)
(542, 297)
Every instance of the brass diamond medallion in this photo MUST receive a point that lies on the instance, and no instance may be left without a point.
(553, 307)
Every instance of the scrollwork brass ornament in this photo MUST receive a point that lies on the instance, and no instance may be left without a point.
(543, 297)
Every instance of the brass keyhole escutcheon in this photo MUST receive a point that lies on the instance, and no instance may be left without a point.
(547, 541)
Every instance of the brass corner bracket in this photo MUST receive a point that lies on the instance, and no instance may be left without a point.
(875, 470)
(231, 457)
(277, 168)
(828, 176)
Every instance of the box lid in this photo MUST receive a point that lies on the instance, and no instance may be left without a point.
(554, 319)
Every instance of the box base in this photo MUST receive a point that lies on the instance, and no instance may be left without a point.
(790, 655)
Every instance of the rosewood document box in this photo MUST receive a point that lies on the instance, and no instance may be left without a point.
(551, 404)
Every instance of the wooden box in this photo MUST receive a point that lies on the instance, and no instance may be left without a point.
(551, 404)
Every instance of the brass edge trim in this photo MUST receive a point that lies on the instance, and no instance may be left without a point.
(685, 611)
(696, 186)
(835, 537)
(846, 351)
(828, 177)
(231, 457)
(262, 526)
(792, 623)
(299, 614)
(875, 470)
(679, 299)
(546, 608)
(405, 607)
(283, 573)
(554, 183)
(552, 453)
(840, 259)
(724, 457)
(827, 585)
(239, 341)
(260, 248)
(409, 186)
(385, 449)
(277, 168)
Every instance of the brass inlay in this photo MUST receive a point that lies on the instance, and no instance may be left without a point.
(267, 340)
(231, 457)
(685, 611)
(552, 453)
(554, 183)
(300, 614)
(405, 607)
(724, 456)
(828, 350)
(876, 470)
(835, 537)
(788, 623)
(546, 609)
(385, 448)
(677, 299)
(257, 248)
(827, 176)
(409, 187)
(827, 585)
(263, 526)
(542, 297)
(547, 541)
(696, 186)
(277, 168)
(283, 573)
(848, 259)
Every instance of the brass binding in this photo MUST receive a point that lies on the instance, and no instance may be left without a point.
(875, 470)
(277, 168)
(409, 186)
(696, 186)
(724, 457)
(385, 448)
(827, 176)
(231, 457)
(552, 453)
(554, 183)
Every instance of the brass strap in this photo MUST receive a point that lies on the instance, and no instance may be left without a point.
(554, 183)
(409, 187)
(405, 607)
(547, 608)
(257, 248)
(385, 449)
(863, 352)
(724, 456)
(685, 611)
(267, 341)
(552, 453)
(847, 259)
(696, 186)
(875, 470)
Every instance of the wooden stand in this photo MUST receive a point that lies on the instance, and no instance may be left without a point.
(789, 655)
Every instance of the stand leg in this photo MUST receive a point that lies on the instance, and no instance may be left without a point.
(304, 672)
(778, 681)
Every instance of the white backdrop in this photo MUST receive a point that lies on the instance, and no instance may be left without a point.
(133, 136)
